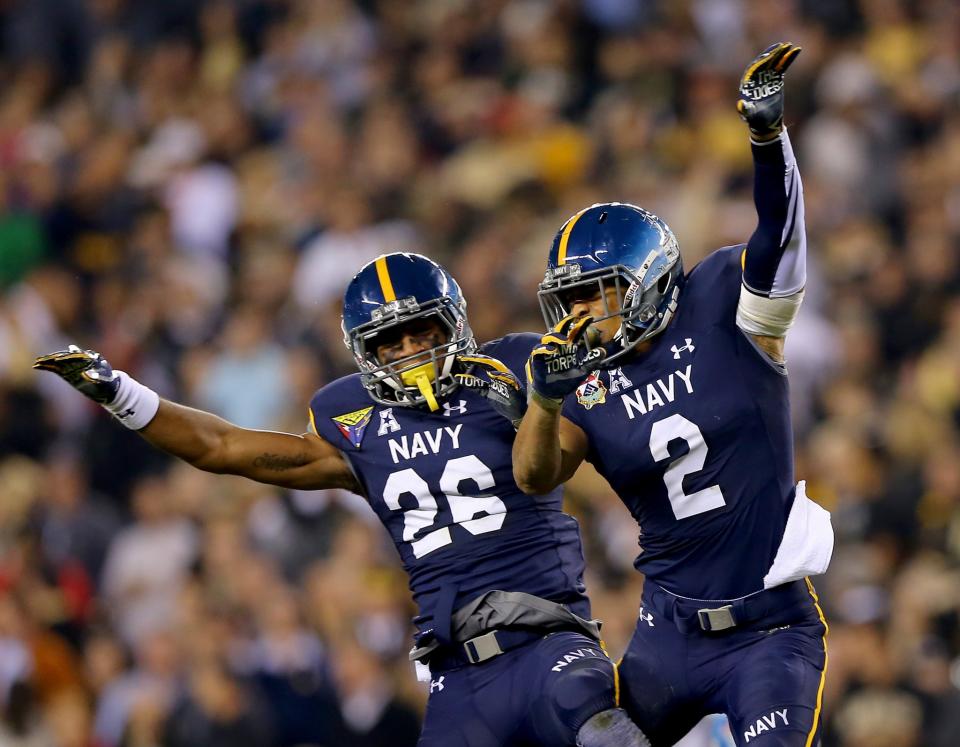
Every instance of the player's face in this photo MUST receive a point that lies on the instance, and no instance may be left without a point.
(408, 339)
(590, 301)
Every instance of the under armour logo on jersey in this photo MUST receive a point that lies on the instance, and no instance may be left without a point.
(437, 684)
(388, 423)
(460, 409)
(676, 351)
(646, 617)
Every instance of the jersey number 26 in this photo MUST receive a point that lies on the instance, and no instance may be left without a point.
(462, 507)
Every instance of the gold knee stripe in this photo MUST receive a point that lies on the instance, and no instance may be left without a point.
(823, 674)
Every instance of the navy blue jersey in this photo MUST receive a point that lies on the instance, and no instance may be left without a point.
(694, 436)
(442, 484)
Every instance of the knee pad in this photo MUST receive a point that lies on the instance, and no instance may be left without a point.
(611, 728)
(583, 689)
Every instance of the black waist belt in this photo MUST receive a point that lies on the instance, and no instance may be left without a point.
(482, 648)
(496, 622)
(693, 615)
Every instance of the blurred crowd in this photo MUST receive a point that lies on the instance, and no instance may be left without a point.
(187, 186)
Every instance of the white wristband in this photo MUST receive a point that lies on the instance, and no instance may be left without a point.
(769, 317)
(135, 404)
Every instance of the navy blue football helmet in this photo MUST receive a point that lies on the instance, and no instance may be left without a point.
(622, 246)
(394, 290)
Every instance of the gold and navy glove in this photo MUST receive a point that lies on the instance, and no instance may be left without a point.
(559, 364)
(500, 387)
(85, 370)
(132, 403)
(761, 90)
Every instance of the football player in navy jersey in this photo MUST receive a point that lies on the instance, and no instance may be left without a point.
(674, 386)
(424, 431)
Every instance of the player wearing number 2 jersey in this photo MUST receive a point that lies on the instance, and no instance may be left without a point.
(424, 431)
(674, 387)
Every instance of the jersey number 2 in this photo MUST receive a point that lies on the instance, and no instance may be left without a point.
(684, 505)
(462, 507)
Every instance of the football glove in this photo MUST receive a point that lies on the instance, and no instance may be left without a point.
(559, 364)
(500, 387)
(761, 90)
(85, 370)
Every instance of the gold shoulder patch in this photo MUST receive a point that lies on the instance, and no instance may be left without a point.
(353, 418)
(353, 424)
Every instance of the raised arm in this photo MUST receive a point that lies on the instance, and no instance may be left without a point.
(547, 450)
(774, 270)
(200, 438)
(548, 447)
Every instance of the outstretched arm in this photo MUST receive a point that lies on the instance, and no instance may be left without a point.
(210, 443)
(204, 440)
(774, 270)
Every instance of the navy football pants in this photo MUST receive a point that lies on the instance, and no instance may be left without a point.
(766, 676)
(537, 695)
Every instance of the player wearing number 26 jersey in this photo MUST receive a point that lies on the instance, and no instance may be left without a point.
(441, 481)
(424, 431)
(674, 387)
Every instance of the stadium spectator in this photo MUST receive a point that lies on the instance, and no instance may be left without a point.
(167, 169)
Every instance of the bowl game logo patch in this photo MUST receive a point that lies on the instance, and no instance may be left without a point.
(591, 392)
(353, 424)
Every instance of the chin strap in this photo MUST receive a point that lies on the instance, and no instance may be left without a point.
(426, 389)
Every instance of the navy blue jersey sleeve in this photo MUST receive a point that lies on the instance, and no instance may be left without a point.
(712, 288)
(340, 413)
(776, 256)
(513, 350)
(571, 409)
